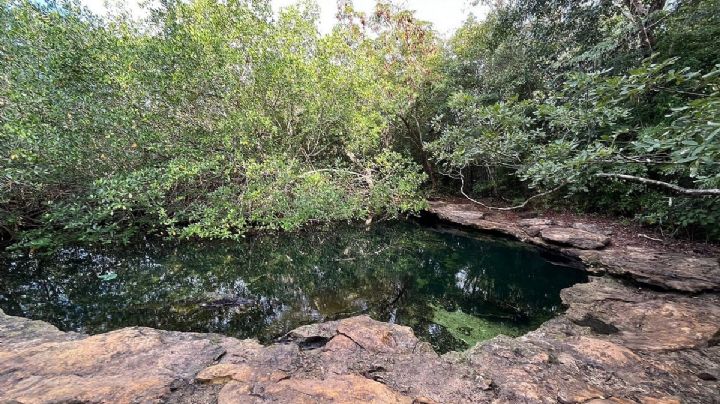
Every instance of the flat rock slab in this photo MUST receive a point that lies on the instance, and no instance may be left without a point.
(132, 364)
(536, 222)
(342, 389)
(459, 214)
(644, 320)
(577, 238)
(663, 269)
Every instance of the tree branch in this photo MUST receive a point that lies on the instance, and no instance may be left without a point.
(331, 170)
(675, 188)
(522, 205)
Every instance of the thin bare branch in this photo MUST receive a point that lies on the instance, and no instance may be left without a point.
(522, 205)
(675, 188)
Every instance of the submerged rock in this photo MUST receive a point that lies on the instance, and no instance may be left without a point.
(240, 302)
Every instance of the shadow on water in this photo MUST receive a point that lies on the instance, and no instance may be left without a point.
(453, 288)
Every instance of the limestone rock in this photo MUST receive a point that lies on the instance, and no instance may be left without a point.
(536, 222)
(644, 320)
(577, 238)
(667, 270)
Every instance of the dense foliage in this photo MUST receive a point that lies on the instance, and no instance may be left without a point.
(205, 120)
(606, 106)
(208, 118)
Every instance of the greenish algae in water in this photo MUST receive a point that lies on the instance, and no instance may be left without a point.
(471, 329)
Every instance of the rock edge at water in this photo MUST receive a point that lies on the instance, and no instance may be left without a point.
(670, 271)
(618, 343)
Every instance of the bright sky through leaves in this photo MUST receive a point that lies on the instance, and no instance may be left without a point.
(446, 15)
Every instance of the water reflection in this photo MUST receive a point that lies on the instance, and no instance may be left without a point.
(451, 288)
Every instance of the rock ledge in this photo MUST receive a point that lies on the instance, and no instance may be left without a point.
(617, 343)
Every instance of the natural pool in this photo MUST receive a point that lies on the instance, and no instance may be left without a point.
(453, 288)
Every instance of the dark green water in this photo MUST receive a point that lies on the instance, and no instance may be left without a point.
(452, 288)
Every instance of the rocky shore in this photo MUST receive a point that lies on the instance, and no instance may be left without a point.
(645, 329)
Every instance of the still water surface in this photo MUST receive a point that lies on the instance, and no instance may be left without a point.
(453, 288)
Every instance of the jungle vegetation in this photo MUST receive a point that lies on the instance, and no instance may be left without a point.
(210, 119)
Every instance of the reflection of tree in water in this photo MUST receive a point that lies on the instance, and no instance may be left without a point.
(394, 272)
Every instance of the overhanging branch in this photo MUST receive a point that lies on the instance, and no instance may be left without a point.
(675, 188)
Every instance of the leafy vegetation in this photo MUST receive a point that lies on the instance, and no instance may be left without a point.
(203, 121)
(208, 119)
(603, 106)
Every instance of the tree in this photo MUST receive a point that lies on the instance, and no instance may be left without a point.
(600, 124)
(114, 131)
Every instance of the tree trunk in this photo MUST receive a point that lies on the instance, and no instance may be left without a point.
(644, 14)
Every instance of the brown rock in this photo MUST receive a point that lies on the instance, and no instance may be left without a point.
(236, 393)
(314, 331)
(671, 271)
(424, 400)
(335, 389)
(598, 352)
(591, 228)
(577, 238)
(661, 400)
(579, 396)
(341, 343)
(338, 389)
(534, 231)
(460, 214)
(373, 336)
(644, 320)
(536, 222)
(667, 270)
(129, 365)
(226, 372)
(465, 215)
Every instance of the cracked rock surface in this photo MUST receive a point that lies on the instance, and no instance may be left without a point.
(594, 247)
(648, 331)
